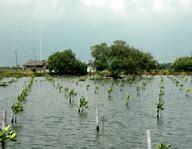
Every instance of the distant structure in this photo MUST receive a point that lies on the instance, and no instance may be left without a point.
(90, 68)
(35, 66)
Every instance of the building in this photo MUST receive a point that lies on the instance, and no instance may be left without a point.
(35, 66)
(90, 69)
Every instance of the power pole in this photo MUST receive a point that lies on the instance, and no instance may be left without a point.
(34, 58)
(16, 58)
(40, 43)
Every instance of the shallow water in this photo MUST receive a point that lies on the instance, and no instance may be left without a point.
(49, 121)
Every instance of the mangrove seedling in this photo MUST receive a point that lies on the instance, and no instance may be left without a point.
(144, 84)
(83, 104)
(138, 89)
(162, 93)
(188, 91)
(163, 146)
(160, 107)
(60, 88)
(6, 135)
(16, 108)
(109, 91)
(87, 87)
(71, 94)
(177, 83)
(96, 89)
(66, 90)
(127, 99)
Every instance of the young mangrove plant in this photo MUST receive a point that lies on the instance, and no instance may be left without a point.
(188, 91)
(72, 93)
(163, 146)
(60, 88)
(161, 85)
(138, 89)
(16, 108)
(87, 87)
(66, 90)
(83, 104)
(127, 99)
(6, 135)
(109, 91)
(160, 107)
(96, 89)
(144, 84)
(23, 95)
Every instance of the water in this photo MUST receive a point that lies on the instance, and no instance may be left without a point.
(49, 121)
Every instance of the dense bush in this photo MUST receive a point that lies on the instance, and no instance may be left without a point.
(121, 58)
(65, 63)
(183, 64)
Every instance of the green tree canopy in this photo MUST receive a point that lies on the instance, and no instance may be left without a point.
(66, 63)
(120, 57)
(183, 64)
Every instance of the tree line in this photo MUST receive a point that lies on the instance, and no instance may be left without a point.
(117, 59)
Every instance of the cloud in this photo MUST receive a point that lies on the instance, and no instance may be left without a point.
(59, 9)
(148, 7)
(117, 6)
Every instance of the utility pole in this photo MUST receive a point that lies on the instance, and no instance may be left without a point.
(40, 43)
(15, 58)
(23, 59)
(34, 58)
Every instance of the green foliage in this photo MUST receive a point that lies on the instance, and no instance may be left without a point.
(110, 90)
(100, 53)
(183, 64)
(66, 89)
(163, 146)
(3, 84)
(160, 106)
(83, 102)
(121, 58)
(7, 134)
(72, 93)
(65, 63)
(17, 107)
(165, 66)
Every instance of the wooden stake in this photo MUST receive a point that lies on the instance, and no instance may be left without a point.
(148, 139)
(97, 119)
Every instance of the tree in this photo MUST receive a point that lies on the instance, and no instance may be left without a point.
(100, 53)
(121, 58)
(183, 64)
(66, 63)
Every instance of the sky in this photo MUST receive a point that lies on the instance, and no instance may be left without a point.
(161, 27)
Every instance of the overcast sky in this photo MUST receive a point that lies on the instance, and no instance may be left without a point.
(161, 27)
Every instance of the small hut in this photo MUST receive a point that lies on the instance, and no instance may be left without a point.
(35, 66)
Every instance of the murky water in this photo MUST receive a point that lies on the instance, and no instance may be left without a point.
(50, 122)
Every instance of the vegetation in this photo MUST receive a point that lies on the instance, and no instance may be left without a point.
(17, 107)
(7, 134)
(183, 64)
(71, 94)
(165, 66)
(163, 146)
(5, 84)
(65, 63)
(160, 104)
(83, 104)
(109, 91)
(121, 58)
